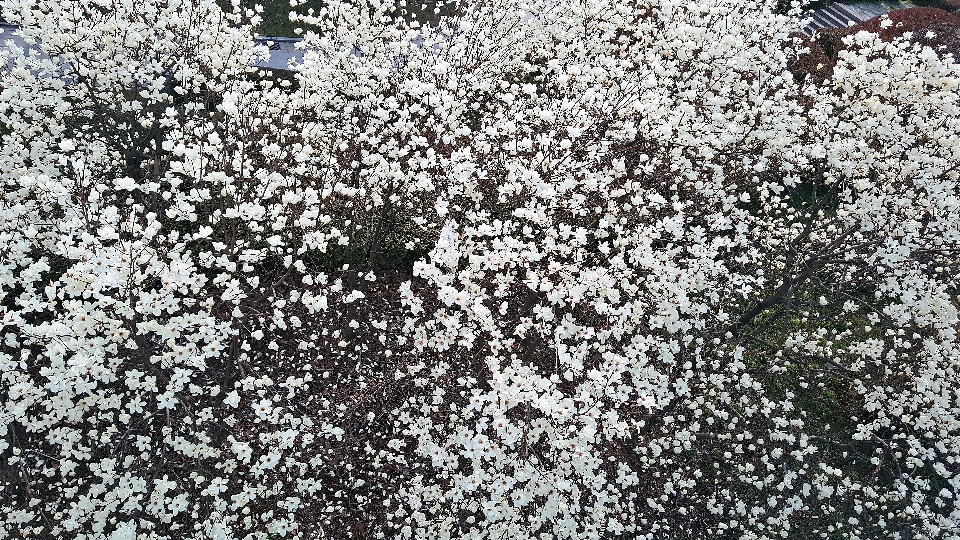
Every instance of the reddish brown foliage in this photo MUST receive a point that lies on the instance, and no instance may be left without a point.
(932, 27)
(915, 20)
(813, 65)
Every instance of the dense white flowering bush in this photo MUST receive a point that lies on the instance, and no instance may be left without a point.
(540, 269)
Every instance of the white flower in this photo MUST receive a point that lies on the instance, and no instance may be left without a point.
(647, 401)
(166, 400)
(126, 530)
(217, 485)
(354, 295)
(232, 399)
(263, 408)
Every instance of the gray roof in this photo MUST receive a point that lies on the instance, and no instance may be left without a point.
(283, 50)
(8, 33)
(840, 15)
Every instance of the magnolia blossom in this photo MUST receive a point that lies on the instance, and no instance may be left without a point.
(548, 269)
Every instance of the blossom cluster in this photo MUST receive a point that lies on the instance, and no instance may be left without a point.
(544, 269)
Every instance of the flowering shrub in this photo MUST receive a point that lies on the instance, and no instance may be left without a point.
(609, 271)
